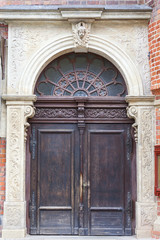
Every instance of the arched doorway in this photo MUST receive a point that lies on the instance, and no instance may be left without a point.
(81, 150)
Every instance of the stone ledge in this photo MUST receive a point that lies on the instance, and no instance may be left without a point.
(44, 13)
(28, 237)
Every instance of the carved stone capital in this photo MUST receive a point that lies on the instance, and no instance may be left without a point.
(81, 32)
(132, 112)
(29, 112)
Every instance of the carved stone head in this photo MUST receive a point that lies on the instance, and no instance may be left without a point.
(81, 29)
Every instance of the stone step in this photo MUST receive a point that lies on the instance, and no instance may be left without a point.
(78, 238)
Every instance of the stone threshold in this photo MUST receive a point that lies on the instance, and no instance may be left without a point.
(28, 237)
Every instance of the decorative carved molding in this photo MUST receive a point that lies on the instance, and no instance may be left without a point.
(13, 216)
(81, 117)
(146, 155)
(148, 215)
(14, 181)
(56, 113)
(29, 112)
(20, 44)
(81, 33)
(133, 113)
(105, 113)
(141, 34)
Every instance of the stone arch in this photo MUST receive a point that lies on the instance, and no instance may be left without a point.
(96, 45)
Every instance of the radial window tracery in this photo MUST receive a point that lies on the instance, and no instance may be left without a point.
(82, 75)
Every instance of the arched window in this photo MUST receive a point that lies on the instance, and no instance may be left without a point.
(80, 75)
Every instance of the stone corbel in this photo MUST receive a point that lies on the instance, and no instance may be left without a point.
(133, 113)
(29, 112)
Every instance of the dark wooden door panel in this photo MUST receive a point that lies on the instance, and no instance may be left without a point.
(55, 161)
(56, 182)
(58, 157)
(106, 174)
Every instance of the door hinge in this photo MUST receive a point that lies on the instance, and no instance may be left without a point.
(129, 144)
(33, 143)
(32, 210)
(129, 209)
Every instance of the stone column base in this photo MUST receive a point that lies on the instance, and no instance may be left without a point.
(145, 217)
(14, 220)
(143, 233)
(14, 233)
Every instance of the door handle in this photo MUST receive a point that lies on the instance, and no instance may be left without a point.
(85, 185)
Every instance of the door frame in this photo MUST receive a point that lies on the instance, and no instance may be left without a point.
(81, 110)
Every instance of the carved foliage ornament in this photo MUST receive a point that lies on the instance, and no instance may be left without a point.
(28, 113)
(80, 113)
(55, 113)
(81, 33)
(148, 215)
(13, 216)
(105, 113)
(133, 113)
(15, 155)
(147, 166)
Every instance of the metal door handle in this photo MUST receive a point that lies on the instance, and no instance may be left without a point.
(85, 185)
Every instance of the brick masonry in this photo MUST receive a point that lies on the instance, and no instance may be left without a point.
(154, 48)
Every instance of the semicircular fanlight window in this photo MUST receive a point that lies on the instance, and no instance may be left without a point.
(80, 75)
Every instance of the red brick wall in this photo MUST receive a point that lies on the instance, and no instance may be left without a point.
(4, 30)
(154, 48)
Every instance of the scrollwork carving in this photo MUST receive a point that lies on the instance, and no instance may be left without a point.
(133, 113)
(105, 113)
(147, 168)
(15, 155)
(55, 113)
(13, 216)
(148, 215)
(81, 33)
(29, 112)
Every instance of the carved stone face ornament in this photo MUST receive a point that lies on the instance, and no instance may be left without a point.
(81, 33)
(81, 29)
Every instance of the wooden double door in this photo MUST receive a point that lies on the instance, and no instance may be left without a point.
(81, 179)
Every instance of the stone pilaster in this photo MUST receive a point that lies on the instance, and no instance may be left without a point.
(14, 224)
(144, 116)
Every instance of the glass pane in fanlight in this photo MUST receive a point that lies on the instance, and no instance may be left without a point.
(80, 93)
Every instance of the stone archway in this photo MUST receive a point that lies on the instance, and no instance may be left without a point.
(20, 108)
